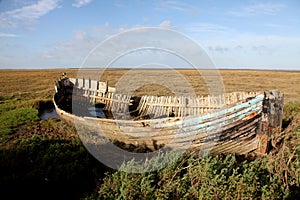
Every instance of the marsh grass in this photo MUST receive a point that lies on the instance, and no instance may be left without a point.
(46, 156)
(39, 83)
(13, 118)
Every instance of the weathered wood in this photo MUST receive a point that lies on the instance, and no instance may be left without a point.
(228, 123)
(271, 120)
(186, 106)
(80, 83)
(106, 86)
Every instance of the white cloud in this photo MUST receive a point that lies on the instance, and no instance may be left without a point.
(255, 42)
(206, 27)
(179, 6)
(80, 3)
(7, 35)
(218, 48)
(254, 51)
(275, 26)
(119, 4)
(165, 24)
(4, 23)
(174, 5)
(73, 51)
(30, 13)
(80, 35)
(258, 9)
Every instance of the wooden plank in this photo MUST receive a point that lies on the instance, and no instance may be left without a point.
(254, 104)
(102, 86)
(80, 83)
(93, 85)
(271, 119)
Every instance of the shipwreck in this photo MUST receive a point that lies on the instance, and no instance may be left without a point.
(239, 122)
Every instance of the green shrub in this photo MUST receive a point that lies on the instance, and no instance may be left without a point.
(194, 178)
(290, 110)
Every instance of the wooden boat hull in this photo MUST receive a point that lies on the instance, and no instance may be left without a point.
(231, 130)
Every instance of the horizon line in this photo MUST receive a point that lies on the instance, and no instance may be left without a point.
(177, 68)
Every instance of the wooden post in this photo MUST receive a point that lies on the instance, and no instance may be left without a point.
(106, 87)
(271, 120)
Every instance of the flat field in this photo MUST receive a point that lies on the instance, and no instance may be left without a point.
(40, 82)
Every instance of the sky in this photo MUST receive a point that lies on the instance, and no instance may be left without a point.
(248, 34)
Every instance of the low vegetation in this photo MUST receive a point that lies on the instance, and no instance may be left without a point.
(221, 177)
(42, 159)
(275, 176)
(45, 159)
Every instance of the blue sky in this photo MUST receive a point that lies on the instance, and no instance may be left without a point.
(235, 34)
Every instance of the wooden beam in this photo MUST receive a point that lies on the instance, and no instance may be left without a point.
(271, 120)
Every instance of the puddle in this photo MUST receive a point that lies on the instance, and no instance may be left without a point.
(48, 113)
(96, 112)
(46, 110)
